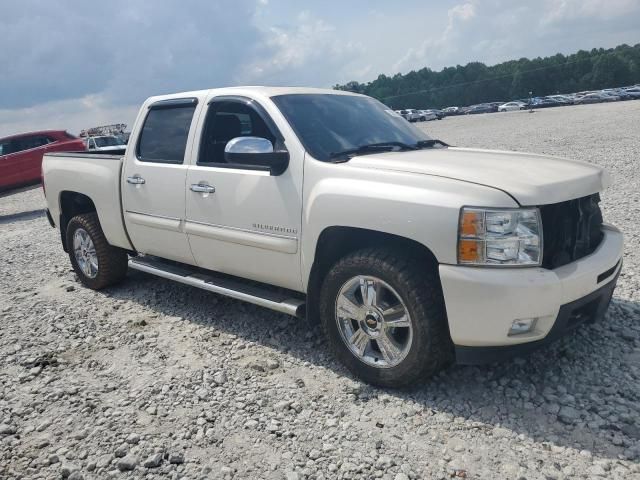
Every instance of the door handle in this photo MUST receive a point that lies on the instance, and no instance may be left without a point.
(136, 180)
(202, 188)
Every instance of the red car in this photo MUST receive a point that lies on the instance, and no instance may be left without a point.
(21, 155)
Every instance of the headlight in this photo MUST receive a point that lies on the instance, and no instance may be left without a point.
(500, 237)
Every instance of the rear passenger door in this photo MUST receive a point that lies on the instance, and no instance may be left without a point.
(32, 149)
(22, 159)
(8, 165)
(153, 185)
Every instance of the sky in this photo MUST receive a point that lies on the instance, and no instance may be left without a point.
(73, 64)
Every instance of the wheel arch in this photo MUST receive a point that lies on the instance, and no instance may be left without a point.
(335, 242)
(72, 204)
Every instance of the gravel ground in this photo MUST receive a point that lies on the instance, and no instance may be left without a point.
(157, 380)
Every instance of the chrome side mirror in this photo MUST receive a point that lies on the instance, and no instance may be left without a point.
(256, 152)
(244, 145)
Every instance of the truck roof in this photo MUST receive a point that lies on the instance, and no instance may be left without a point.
(38, 132)
(262, 91)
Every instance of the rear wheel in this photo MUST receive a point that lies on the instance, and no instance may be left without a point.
(96, 263)
(384, 318)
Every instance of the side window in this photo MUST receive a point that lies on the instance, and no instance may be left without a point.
(27, 143)
(163, 138)
(225, 121)
(5, 147)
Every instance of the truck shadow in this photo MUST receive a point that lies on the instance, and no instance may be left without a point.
(581, 392)
(21, 217)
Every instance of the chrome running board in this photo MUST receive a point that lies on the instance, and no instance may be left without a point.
(280, 300)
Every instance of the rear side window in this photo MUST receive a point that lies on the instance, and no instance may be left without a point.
(164, 135)
(29, 142)
(5, 147)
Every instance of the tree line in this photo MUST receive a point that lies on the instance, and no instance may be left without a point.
(476, 82)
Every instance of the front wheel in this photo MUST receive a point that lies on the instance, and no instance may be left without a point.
(96, 263)
(384, 318)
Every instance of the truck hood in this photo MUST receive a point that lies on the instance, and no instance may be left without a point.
(529, 178)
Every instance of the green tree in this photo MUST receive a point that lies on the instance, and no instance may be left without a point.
(477, 82)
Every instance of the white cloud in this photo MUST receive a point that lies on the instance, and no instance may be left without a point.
(437, 47)
(310, 50)
(86, 66)
(72, 115)
(570, 10)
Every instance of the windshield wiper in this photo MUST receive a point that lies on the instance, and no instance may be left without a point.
(429, 143)
(385, 147)
(373, 148)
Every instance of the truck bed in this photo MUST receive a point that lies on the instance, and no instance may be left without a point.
(95, 175)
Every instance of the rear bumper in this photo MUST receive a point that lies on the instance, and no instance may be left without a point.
(482, 303)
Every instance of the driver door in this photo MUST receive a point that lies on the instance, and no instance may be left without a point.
(240, 219)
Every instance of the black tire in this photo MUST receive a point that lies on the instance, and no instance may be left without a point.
(419, 288)
(112, 261)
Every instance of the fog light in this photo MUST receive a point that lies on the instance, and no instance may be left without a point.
(522, 325)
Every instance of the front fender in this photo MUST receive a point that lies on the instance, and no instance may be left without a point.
(419, 207)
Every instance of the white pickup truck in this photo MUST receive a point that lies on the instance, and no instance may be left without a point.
(412, 254)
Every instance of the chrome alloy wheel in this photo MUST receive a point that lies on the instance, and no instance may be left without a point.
(373, 321)
(85, 253)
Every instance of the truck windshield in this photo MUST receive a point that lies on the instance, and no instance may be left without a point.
(328, 124)
(108, 142)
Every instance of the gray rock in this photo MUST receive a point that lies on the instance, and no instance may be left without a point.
(152, 410)
(67, 469)
(7, 429)
(315, 454)
(104, 461)
(220, 378)
(43, 426)
(127, 463)
(133, 439)
(568, 415)
(153, 461)
(122, 450)
(176, 458)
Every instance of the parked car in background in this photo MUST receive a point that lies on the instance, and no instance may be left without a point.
(511, 106)
(544, 102)
(21, 155)
(438, 113)
(426, 115)
(596, 98)
(410, 114)
(481, 108)
(616, 92)
(634, 93)
(105, 143)
(561, 99)
(450, 111)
